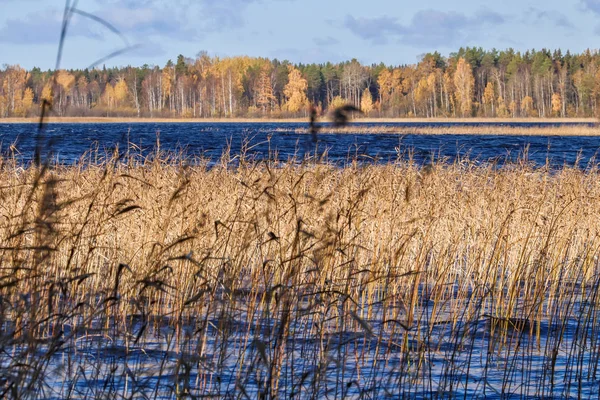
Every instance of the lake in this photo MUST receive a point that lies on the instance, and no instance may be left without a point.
(66, 143)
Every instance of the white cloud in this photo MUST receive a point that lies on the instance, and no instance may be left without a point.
(548, 16)
(591, 5)
(42, 27)
(426, 28)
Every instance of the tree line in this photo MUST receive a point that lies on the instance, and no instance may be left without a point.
(471, 82)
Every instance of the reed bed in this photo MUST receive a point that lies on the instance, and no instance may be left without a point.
(491, 129)
(158, 278)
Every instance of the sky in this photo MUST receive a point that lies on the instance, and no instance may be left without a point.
(394, 32)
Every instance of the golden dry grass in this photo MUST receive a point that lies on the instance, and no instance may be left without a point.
(565, 130)
(331, 249)
(493, 121)
(455, 222)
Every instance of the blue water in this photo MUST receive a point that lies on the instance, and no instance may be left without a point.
(68, 142)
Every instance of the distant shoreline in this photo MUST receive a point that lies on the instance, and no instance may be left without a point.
(109, 120)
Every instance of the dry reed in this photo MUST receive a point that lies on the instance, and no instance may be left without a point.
(159, 277)
(491, 129)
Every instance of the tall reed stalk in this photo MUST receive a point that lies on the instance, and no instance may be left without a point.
(124, 276)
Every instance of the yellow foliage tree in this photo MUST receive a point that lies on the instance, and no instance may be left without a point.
(295, 91)
(513, 108)
(385, 83)
(422, 91)
(431, 88)
(12, 86)
(28, 99)
(47, 93)
(448, 88)
(109, 96)
(556, 103)
(120, 92)
(264, 90)
(464, 83)
(366, 102)
(431, 80)
(488, 96)
(229, 75)
(3, 107)
(527, 105)
(336, 102)
(82, 90)
(166, 85)
(502, 110)
(397, 81)
(25, 104)
(65, 79)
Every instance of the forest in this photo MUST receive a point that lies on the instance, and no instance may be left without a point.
(471, 82)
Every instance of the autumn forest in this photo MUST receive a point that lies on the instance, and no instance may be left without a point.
(471, 82)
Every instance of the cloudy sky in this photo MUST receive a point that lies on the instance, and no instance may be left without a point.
(390, 31)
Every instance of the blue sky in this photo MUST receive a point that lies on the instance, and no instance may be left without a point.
(390, 31)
